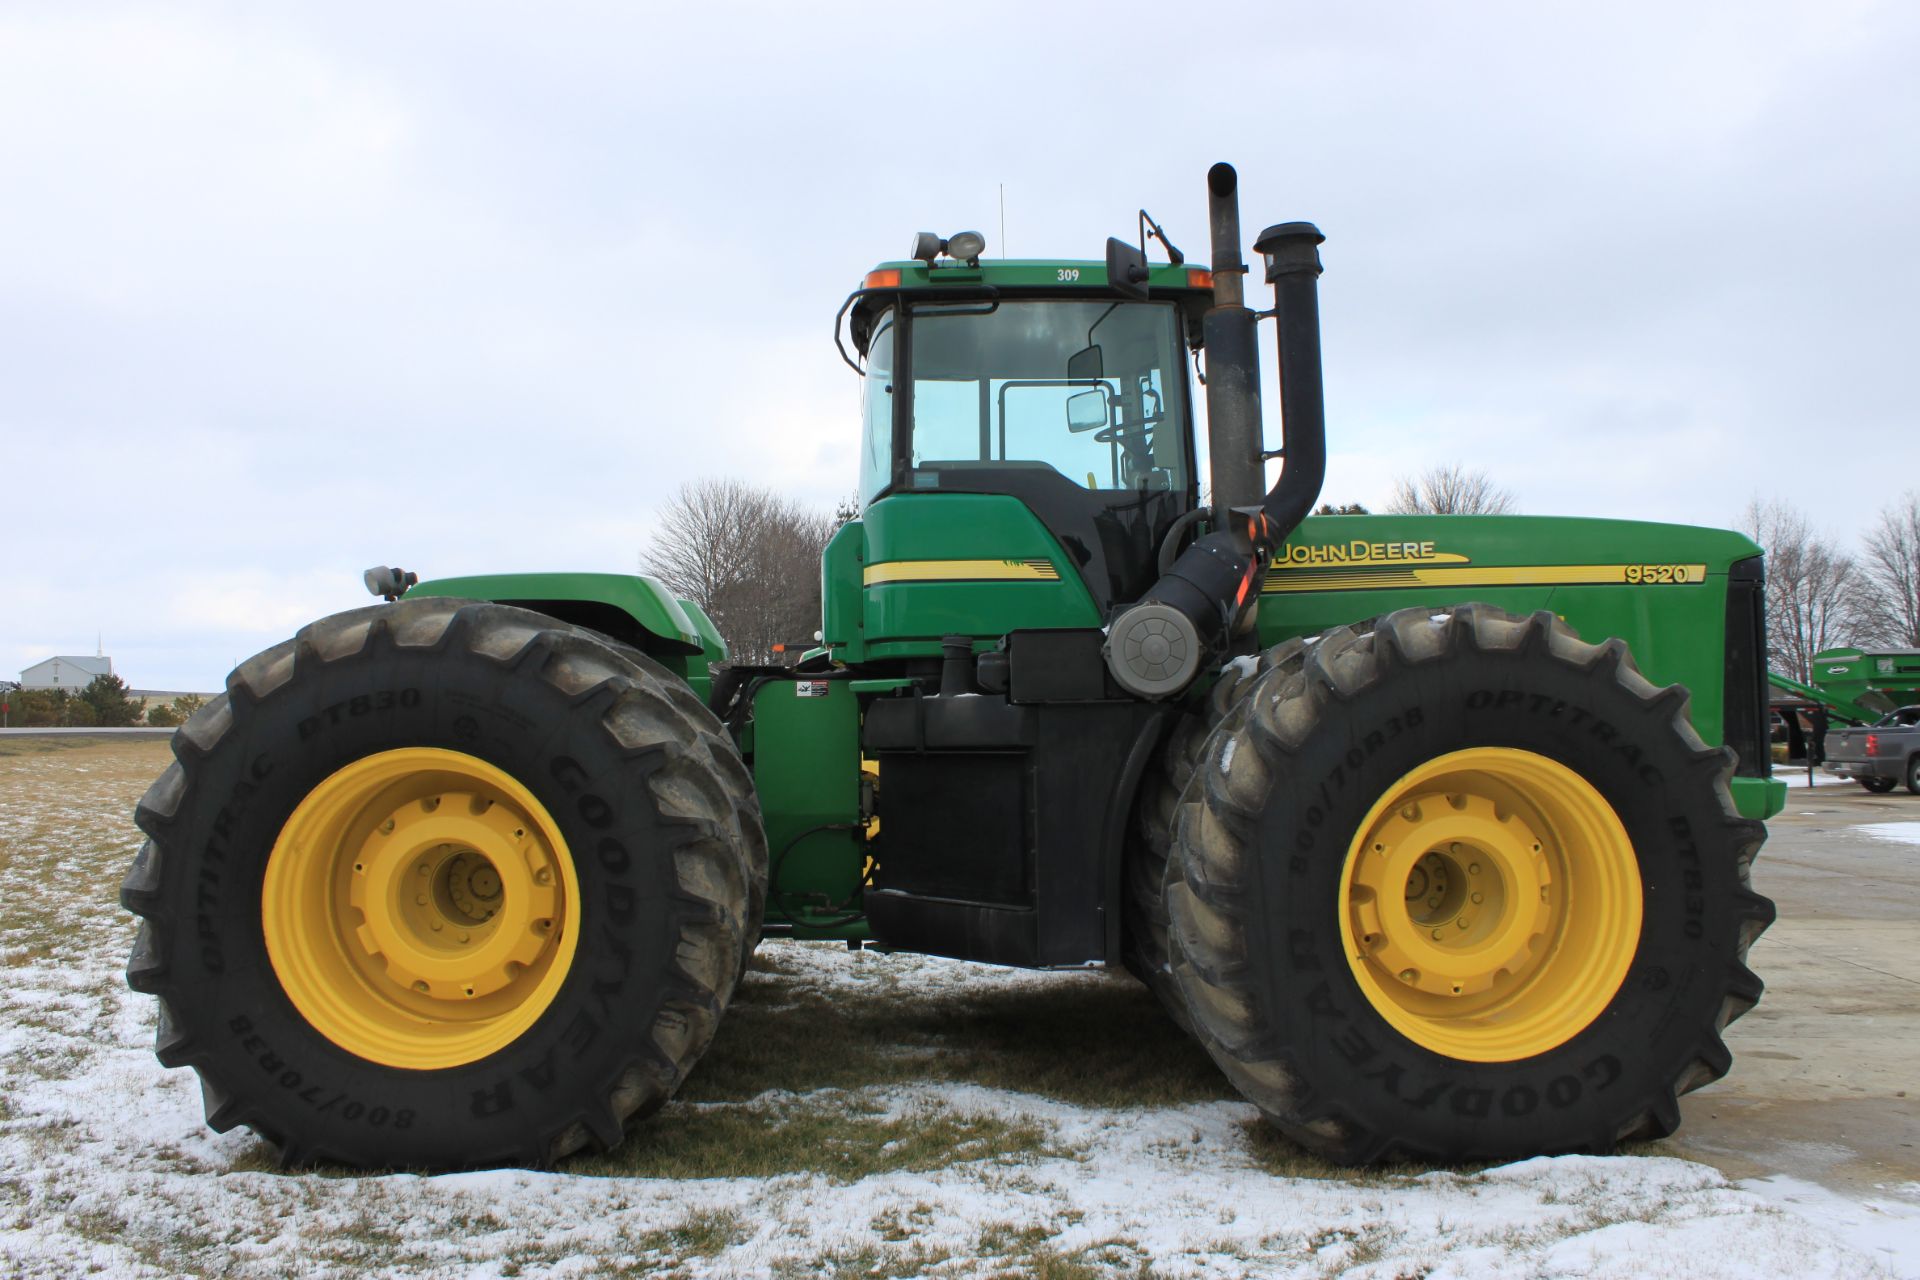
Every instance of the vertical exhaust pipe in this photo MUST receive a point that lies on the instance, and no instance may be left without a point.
(1233, 360)
(1292, 252)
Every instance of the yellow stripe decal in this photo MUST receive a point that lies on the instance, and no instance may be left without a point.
(1283, 581)
(960, 571)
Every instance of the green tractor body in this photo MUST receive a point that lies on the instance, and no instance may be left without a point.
(1061, 713)
(921, 566)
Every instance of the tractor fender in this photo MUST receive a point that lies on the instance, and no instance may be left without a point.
(631, 608)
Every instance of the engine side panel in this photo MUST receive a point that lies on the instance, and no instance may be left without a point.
(1662, 588)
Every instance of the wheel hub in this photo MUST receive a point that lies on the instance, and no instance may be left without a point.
(1491, 904)
(1459, 865)
(454, 898)
(420, 908)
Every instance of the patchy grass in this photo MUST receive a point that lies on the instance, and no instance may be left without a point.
(36, 744)
(702, 1234)
(1277, 1154)
(1091, 1040)
(873, 1260)
(844, 1139)
(66, 839)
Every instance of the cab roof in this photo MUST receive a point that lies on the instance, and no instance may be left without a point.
(1188, 285)
(1031, 273)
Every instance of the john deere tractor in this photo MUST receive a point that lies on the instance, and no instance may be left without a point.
(1433, 830)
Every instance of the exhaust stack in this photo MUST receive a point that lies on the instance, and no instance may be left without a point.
(1292, 251)
(1156, 647)
(1233, 359)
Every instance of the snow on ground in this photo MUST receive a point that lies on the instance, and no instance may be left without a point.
(106, 1167)
(1902, 832)
(1795, 776)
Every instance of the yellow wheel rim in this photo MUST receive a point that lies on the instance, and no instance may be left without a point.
(1490, 904)
(420, 908)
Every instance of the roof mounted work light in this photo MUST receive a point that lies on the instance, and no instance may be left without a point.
(964, 246)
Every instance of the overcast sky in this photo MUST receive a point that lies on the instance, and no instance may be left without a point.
(286, 291)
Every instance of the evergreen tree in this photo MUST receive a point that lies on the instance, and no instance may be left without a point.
(112, 707)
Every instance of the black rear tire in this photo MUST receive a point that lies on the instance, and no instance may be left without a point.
(643, 786)
(1879, 786)
(1255, 893)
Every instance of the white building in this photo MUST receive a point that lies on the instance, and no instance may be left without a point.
(70, 673)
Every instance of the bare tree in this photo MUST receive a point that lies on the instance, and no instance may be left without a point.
(1890, 576)
(1812, 588)
(1450, 490)
(749, 558)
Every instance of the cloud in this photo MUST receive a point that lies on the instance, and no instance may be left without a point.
(473, 287)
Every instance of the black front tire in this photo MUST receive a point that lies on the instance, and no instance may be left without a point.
(1264, 833)
(644, 786)
(1145, 949)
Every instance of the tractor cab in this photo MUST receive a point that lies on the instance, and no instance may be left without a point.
(1035, 381)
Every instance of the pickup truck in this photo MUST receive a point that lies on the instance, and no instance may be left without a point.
(1883, 753)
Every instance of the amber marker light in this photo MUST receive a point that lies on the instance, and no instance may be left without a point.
(1199, 278)
(888, 279)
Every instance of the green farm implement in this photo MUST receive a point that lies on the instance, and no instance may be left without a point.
(1859, 685)
(1836, 704)
(1434, 831)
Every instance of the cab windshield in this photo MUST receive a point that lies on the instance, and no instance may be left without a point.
(1092, 390)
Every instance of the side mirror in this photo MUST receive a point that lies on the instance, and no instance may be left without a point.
(1088, 411)
(1126, 269)
(1086, 365)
